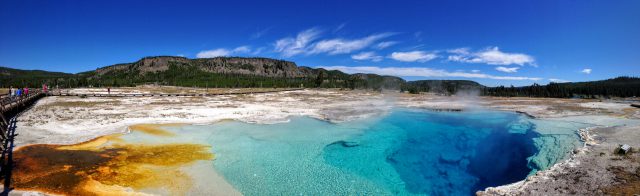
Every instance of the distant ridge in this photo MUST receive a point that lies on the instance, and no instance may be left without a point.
(6, 71)
(10, 77)
(208, 72)
(225, 65)
(239, 72)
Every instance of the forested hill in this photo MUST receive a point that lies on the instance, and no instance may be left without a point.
(208, 72)
(616, 87)
(21, 78)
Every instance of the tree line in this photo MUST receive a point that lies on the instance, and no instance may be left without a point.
(616, 87)
(191, 76)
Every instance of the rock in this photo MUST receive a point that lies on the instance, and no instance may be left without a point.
(624, 149)
(345, 144)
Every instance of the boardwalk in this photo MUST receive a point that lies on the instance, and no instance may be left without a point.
(9, 107)
(8, 103)
(61, 93)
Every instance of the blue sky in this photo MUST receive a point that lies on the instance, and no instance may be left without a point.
(492, 42)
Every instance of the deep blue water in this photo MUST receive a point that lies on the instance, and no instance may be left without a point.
(446, 153)
(407, 152)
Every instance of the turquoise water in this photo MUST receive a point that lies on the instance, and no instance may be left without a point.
(407, 152)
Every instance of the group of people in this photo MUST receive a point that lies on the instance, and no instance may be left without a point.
(18, 92)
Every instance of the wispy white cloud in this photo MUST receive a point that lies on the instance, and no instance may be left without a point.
(307, 42)
(344, 46)
(414, 56)
(385, 44)
(491, 56)
(226, 52)
(242, 49)
(213, 53)
(460, 51)
(260, 33)
(258, 51)
(508, 69)
(475, 71)
(586, 71)
(340, 27)
(558, 80)
(422, 72)
(291, 46)
(367, 56)
(418, 35)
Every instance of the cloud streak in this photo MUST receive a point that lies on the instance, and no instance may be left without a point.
(385, 44)
(242, 49)
(293, 46)
(363, 56)
(507, 69)
(558, 80)
(422, 72)
(220, 52)
(344, 46)
(413, 56)
(213, 53)
(586, 71)
(260, 33)
(339, 27)
(307, 43)
(491, 56)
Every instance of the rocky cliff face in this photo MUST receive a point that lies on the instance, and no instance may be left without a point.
(230, 72)
(251, 66)
(225, 65)
(148, 64)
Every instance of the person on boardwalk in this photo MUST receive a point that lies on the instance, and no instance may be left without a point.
(44, 88)
(108, 90)
(26, 90)
(18, 92)
(12, 92)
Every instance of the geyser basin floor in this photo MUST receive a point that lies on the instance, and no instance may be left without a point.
(406, 152)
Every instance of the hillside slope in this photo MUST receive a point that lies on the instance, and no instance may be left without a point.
(214, 72)
(20, 78)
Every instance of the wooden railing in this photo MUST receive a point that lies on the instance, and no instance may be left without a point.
(8, 102)
(11, 105)
(116, 94)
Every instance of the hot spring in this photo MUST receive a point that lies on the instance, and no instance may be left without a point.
(405, 152)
